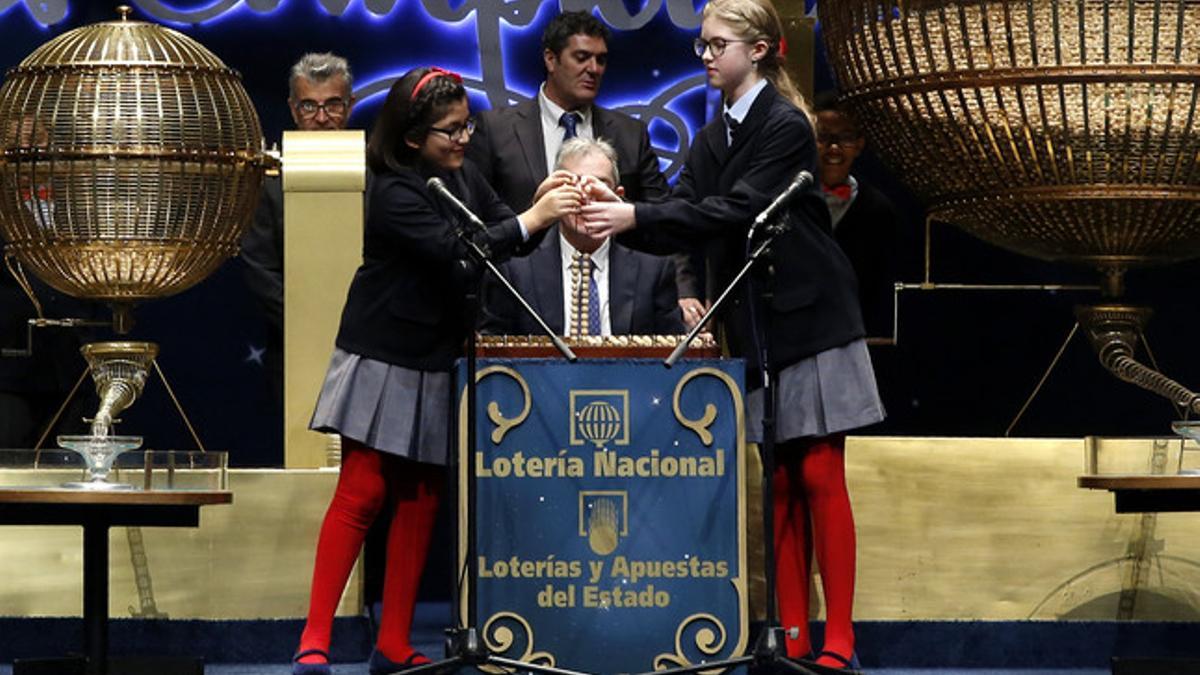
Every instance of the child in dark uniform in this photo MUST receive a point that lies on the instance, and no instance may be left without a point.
(387, 389)
(736, 166)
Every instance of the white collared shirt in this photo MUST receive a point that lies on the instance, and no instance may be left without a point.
(837, 207)
(552, 131)
(600, 274)
(739, 110)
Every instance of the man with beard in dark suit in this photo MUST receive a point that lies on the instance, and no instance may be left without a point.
(582, 285)
(516, 147)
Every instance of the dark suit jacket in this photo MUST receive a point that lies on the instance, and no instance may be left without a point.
(722, 188)
(868, 233)
(262, 252)
(406, 303)
(509, 149)
(641, 293)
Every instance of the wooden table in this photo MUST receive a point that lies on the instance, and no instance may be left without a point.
(96, 512)
(1145, 493)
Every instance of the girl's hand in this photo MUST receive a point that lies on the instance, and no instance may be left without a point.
(556, 203)
(608, 219)
(597, 190)
(554, 180)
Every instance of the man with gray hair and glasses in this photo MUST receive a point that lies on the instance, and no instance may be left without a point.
(582, 285)
(320, 99)
(320, 92)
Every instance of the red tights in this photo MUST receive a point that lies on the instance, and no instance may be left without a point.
(812, 512)
(369, 479)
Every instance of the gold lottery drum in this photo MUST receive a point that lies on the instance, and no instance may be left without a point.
(1065, 130)
(131, 160)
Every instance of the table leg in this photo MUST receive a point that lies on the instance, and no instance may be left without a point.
(95, 597)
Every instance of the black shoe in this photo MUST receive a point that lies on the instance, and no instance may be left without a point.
(382, 665)
(847, 668)
(311, 668)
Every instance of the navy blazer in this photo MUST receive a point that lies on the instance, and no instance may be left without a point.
(814, 301)
(869, 234)
(508, 147)
(406, 305)
(641, 293)
(262, 252)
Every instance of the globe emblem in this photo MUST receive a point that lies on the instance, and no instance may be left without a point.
(599, 422)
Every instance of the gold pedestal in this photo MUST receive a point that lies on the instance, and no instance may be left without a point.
(324, 174)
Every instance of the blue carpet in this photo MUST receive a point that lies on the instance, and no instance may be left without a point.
(885, 647)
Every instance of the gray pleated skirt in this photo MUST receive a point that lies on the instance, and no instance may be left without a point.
(828, 393)
(392, 409)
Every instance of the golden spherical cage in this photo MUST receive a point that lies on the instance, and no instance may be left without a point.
(1061, 129)
(131, 160)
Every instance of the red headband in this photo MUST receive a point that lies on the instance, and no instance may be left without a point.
(433, 72)
(782, 46)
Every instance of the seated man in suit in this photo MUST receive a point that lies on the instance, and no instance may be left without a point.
(581, 285)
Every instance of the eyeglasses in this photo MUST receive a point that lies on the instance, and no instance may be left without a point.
(334, 107)
(459, 133)
(836, 139)
(717, 45)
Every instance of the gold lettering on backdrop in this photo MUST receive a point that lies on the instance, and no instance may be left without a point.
(597, 568)
(520, 466)
(624, 573)
(619, 596)
(631, 571)
(556, 597)
(634, 571)
(598, 597)
(517, 568)
(609, 464)
(605, 464)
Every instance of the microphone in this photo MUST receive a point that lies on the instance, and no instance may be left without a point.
(438, 187)
(801, 182)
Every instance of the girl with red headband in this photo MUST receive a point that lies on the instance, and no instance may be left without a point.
(387, 390)
(738, 163)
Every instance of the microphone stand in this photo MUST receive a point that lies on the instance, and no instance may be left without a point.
(770, 651)
(464, 646)
(683, 346)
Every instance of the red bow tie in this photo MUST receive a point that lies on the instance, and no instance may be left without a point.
(843, 192)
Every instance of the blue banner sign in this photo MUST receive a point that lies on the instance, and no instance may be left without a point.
(610, 511)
